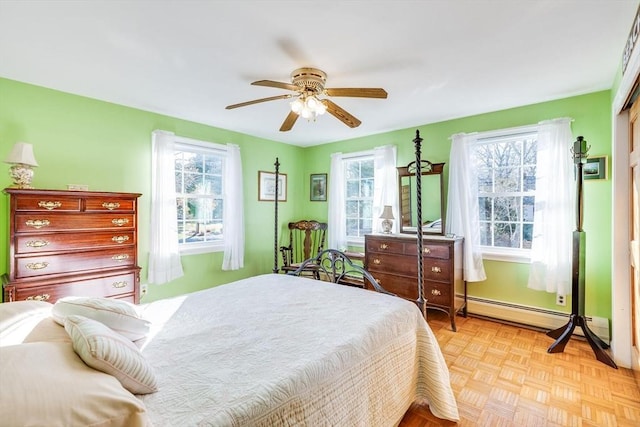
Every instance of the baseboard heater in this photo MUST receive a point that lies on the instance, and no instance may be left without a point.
(532, 316)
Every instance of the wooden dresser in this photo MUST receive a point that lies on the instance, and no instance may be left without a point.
(72, 243)
(392, 260)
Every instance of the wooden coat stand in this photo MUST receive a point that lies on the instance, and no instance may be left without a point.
(577, 317)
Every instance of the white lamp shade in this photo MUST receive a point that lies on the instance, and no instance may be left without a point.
(22, 153)
(387, 213)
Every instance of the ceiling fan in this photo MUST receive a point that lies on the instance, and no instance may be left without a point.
(308, 83)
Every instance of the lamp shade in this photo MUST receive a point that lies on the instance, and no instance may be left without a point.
(22, 153)
(387, 213)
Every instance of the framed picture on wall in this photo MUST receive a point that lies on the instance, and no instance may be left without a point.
(267, 186)
(595, 168)
(318, 190)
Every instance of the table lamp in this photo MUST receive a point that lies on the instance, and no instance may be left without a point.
(22, 162)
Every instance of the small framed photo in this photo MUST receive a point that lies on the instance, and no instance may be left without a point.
(318, 190)
(595, 168)
(267, 186)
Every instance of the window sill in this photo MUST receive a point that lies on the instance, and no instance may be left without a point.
(200, 249)
(521, 256)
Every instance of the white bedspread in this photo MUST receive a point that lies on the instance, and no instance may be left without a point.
(276, 350)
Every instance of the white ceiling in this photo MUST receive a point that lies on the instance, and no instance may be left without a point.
(437, 59)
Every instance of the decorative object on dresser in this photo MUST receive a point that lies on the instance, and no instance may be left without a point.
(387, 219)
(72, 243)
(22, 161)
(391, 259)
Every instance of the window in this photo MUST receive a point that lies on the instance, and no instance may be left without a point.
(359, 185)
(506, 171)
(199, 181)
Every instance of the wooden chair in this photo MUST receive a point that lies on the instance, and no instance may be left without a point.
(306, 240)
(334, 266)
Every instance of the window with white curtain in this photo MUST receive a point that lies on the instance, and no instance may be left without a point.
(199, 195)
(506, 177)
(359, 182)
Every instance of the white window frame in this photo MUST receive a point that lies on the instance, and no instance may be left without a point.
(519, 255)
(211, 148)
(360, 155)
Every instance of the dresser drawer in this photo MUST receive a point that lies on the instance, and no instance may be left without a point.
(436, 269)
(404, 287)
(42, 265)
(437, 293)
(109, 205)
(430, 250)
(110, 286)
(384, 246)
(48, 203)
(41, 222)
(392, 263)
(49, 242)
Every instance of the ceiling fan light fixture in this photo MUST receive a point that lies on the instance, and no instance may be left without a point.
(297, 105)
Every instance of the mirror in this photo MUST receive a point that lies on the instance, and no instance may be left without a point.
(433, 212)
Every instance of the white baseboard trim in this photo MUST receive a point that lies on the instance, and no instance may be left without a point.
(533, 316)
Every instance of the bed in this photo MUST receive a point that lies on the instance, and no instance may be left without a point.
(270, 350)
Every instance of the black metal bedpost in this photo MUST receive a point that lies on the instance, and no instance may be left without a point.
(275, 223)
(420, 301)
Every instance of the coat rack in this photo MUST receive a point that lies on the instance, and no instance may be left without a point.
(577, 317)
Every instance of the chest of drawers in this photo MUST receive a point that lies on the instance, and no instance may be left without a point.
(393, 261)
(72, 243)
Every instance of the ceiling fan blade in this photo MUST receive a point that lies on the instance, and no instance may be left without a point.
(257, 101)
(341, 114)
(279, 85)
(363, 92)
(289, 122)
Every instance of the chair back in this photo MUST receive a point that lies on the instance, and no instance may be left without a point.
(306, 239)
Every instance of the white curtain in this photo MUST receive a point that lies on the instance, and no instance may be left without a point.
(385, 190)
(551, 250)
(233, 211)
(337, 217)
(462, 206)
(164, 255)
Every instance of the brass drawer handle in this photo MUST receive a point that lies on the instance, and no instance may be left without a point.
(376, 261)
(436, 269)
(120, 257)
(37, 265)
(119, 285)
(36, 243)
(435, 292)
(384, 246)
(378, 281)
(37, 223)
(427, 250)
(49, 205)
(120, 239)
(43, 297)
(111, 205)
(119, 222)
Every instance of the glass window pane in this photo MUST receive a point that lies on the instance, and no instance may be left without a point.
(353, 189)
(366, 209)
(180, 208)
(485, 233)
(507, 180)
(352, 208)
(485, 208)
(352, 227)
(506, 235)
(365, 226)
(528, 206)
(530, 151)
(366, 188)
(485, 181)
(506, 208)
(529, 178)
(213, 185)
(527, 235)
(213, 165)
(352, 170)
(366, 169)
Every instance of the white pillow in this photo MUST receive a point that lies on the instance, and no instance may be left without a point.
(121, 316)
(46, 384)
(24, 321)
(105, 350)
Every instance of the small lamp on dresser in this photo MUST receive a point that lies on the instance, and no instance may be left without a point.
(22, 161)
(387, 219)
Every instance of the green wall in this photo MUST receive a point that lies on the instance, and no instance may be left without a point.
(507, 281)
(83, 141)
(79, 140)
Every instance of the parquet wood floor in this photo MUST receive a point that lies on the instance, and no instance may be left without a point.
(502, 375)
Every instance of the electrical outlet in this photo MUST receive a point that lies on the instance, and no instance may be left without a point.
(561, 299)
(143, 289)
